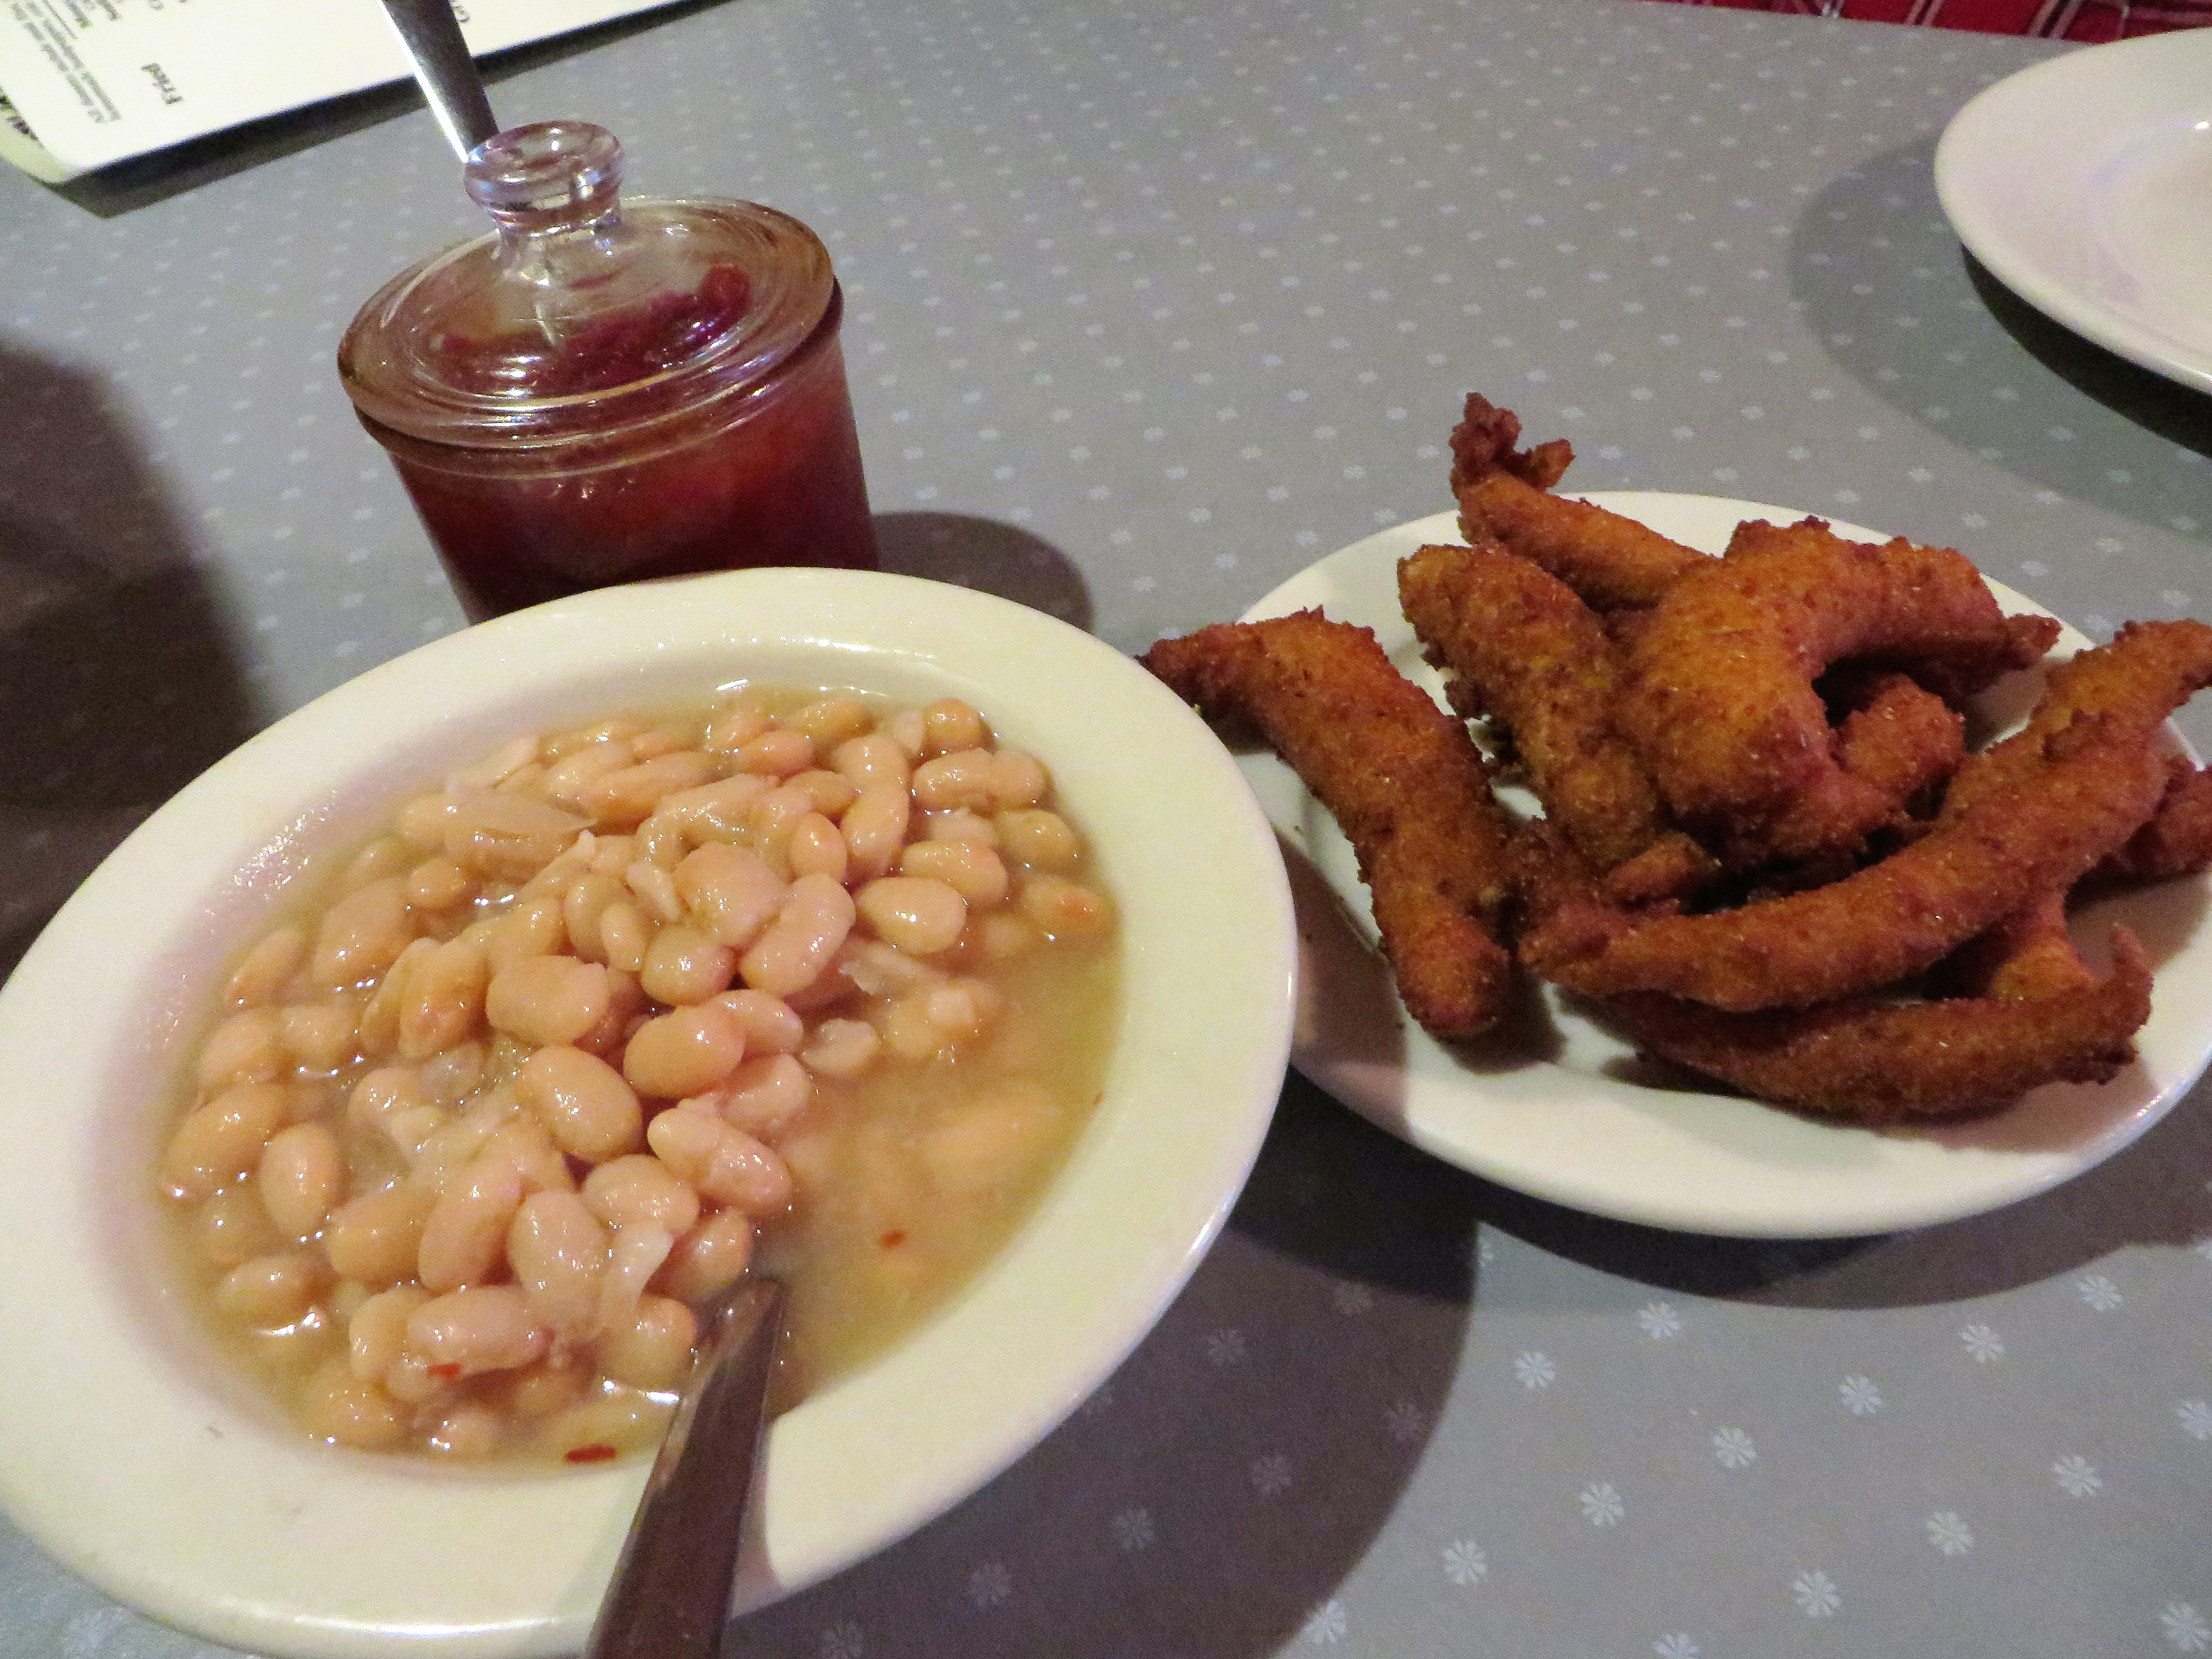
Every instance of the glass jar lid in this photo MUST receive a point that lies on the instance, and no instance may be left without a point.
(581, 317)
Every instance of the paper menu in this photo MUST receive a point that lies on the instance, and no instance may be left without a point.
(84, 82)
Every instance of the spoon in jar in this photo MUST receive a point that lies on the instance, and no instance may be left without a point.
(669, 1595)
(445, 71)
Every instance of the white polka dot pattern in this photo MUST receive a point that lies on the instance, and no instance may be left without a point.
(1149, 303)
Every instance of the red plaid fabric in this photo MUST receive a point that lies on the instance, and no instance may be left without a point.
(2091, 22)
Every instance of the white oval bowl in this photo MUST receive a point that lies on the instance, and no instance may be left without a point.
(137, 1457)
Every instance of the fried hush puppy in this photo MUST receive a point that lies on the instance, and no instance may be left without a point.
(1403, 781)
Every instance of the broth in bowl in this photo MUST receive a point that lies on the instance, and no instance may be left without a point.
(796, 980)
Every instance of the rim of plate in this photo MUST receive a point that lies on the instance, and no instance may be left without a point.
(1672, 1157)
(286, 1548)
(2002, 134)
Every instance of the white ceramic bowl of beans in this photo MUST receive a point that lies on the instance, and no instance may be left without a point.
(131, 1452)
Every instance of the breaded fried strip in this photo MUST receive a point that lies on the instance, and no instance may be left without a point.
(2128, 687)
(1482, 442)
(1720, 699)
(2028, 955)
(2149, 670)
(1900, 738)
(1612, 563)
(2100, 782)
(2177, 840)
(1401, 779)
(1540, 662)
(1957, 675)
(1875, 1064)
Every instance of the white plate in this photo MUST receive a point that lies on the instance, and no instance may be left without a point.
(149, 1467)
(2084, 185)
(1551, 1107)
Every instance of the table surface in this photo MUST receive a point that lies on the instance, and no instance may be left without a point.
(1150, 305)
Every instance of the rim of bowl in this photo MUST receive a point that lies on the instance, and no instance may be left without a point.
(289, 1547)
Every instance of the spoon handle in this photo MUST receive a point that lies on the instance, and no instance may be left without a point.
(445, 71)
(669, 1596)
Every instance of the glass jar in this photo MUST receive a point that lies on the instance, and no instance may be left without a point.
(599, 393)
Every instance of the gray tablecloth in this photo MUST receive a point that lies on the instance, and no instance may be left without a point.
(1150, 305)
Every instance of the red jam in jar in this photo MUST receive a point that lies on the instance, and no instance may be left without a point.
(601, 392)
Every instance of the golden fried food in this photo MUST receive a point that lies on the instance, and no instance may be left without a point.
(1873, 1063)
(1482, 442)
(2033, 1013)
(1777, 731)
(1720, 697)
(2149, 670)
(1899, 738)
(1958, 674)
(2094, 784)
(2177, 840)
(1612, 563)
(2028, 955)
(1537, 660)
(1402, 780)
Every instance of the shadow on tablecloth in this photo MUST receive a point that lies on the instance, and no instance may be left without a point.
(986, 555)
(2151, 1193)
(118, 679)
(1225, 1468)
(1876, 266)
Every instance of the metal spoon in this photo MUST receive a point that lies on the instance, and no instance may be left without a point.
(445, 71)
(671, 1592)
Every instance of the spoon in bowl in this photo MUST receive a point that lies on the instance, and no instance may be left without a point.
(669, 1595)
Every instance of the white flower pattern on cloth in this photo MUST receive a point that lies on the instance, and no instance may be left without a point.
(1659, 1321)
(2100, 1292)
(1326, 1625)
(1113, 143)
(1816, 1594)
(1602, 1505)
(1949, 1533)
(1132, 1528)
(2185, 1627)
(1464, 1562)
(1535, 1370)
(991, 1584)
(1404, 1422)
(2077, 1476)
(88, 1633)
(1733, 1449)
(1271, 1475)
(1860, 1396)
